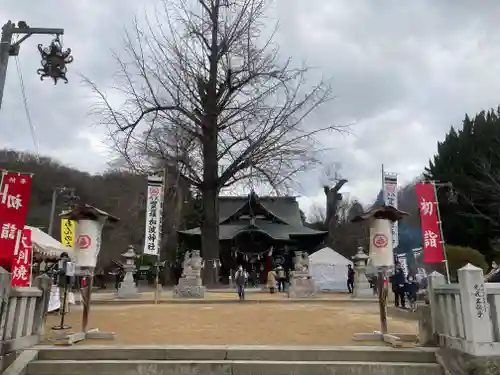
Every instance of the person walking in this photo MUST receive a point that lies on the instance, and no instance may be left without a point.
(411, 289)
(398, 286)
(281, 277)
(271, 281)
(350, 279)
(240, 278)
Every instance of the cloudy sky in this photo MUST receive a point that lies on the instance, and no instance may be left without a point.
(403, 72)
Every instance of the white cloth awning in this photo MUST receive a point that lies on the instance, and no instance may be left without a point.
(45, 244)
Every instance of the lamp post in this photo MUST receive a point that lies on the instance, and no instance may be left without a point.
(54, 58)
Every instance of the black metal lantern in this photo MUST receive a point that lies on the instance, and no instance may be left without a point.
(54, 61)
(452, 196)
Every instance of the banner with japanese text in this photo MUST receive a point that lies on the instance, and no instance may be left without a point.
(21, 267)
(403, 261)
(390, 192)
(431, 231)
(14, 200)
(68, 228)
(154, 215)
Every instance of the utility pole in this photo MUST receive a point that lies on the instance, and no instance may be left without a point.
(54, 65)
(70, 199)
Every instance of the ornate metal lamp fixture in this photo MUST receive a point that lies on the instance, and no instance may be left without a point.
(54, 61)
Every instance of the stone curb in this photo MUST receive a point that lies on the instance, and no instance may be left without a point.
(20, 365)
(224, 301)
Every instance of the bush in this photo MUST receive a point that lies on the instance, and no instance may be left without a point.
(459, 256)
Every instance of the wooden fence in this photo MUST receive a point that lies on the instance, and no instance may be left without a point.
(466, 315)
(22, 313)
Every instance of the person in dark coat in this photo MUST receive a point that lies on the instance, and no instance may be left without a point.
(350, 279)
(494, 275)
(411, 289)
(398, 286)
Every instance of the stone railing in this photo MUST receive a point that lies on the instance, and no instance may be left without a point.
(22, 315)
(466, 316)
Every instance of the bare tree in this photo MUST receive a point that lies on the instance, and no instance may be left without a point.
(318, 213)
(207, 93)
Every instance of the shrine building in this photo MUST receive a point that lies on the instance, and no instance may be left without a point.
(251, 226)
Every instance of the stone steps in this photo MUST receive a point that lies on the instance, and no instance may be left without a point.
(233, 360)
(229, 367)
(243, 352)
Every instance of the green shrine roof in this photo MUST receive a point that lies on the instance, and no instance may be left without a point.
(284, 221)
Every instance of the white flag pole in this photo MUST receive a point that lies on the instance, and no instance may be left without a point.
(443, 245)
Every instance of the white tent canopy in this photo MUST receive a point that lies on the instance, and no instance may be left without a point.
(45, 244)
(328, 269)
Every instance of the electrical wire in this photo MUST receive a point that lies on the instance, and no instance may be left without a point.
(26, 108)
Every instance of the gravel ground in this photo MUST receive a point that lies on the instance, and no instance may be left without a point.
(244, 324)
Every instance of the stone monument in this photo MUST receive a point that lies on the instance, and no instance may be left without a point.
(127, 287)
(361, 285)
(190, 285)
(301, 284)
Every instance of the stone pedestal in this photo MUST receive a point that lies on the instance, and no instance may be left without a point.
(127, 287)
(190, 285)
(361, 285)
(301, 286)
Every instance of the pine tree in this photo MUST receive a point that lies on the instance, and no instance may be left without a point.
(469, 159)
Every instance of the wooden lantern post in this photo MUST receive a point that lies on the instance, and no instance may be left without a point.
(90, 222)
(381, 218)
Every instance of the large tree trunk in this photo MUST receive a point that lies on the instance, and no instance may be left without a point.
(210, 235)
(210, 195)
(210, 186)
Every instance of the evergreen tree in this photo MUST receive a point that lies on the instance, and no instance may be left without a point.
(472, 221)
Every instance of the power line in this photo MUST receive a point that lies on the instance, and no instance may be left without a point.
(26, 107)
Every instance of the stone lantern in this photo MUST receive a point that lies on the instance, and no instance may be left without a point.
(127, 287)
(361, 285)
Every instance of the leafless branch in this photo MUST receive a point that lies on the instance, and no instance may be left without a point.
(200, 72)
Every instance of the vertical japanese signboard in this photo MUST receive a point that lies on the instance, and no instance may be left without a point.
(14, 199)
(21, 267)
(153, 215)
(390, 191)
(431, 231)
(68, 232)
(403, 261)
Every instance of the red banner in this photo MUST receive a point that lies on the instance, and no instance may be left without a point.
(431, 231)
(21, 268)
(14, 199)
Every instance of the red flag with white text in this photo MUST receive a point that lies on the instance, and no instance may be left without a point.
(431, 227)
(15, 192)
(21, 268)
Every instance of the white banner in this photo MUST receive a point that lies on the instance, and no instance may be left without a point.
(390, 193)
(153, 215)
(381, 254)
(404, 263)
(88, 242)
